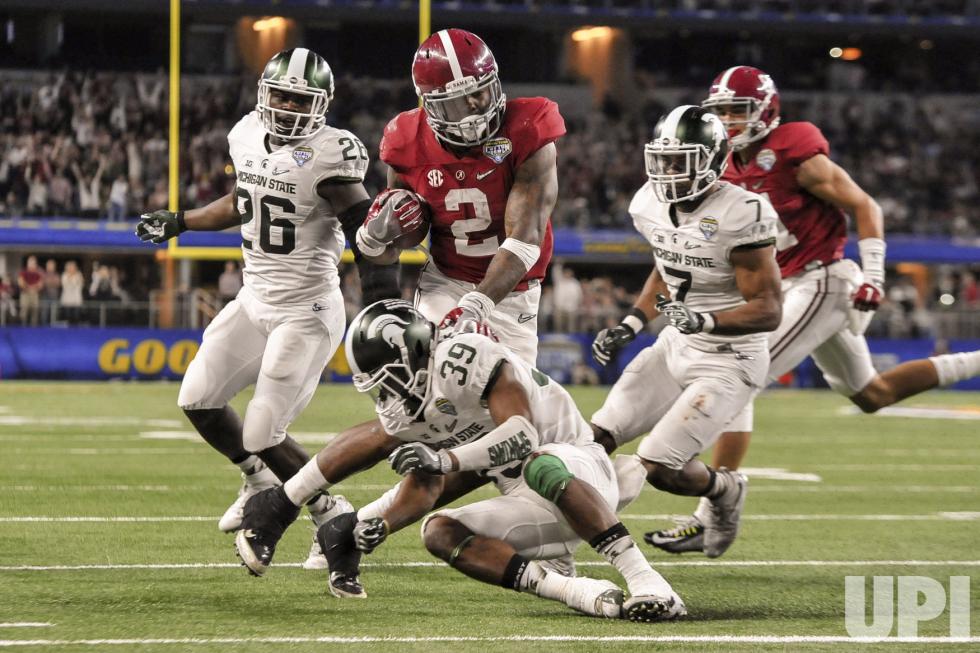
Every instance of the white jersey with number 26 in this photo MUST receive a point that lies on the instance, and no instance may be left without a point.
(693, 251)
(291, 239)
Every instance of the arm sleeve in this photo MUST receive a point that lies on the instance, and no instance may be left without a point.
(511, 441)
(341, 157)
(377, 281)
(753, 224)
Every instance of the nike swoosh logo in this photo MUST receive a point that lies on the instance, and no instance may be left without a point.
(484, 174)
(277, 171)
(525, 317)
(690, 246)
(757, 185)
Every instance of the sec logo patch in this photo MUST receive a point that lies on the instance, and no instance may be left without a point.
(435, 178)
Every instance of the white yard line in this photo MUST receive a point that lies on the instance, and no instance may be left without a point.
(693, 639)
(26, 624)
(88, 422)
(939, 516)
(432, 563)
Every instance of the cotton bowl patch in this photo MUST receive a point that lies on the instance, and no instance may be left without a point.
(302, 154)
(766, 159)
(708, 227)
(497, 149)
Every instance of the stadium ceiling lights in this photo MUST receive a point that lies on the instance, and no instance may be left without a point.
(590, 33)
(273, 22)
(847, 54)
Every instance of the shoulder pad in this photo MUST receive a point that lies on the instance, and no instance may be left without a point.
(400, 133)
(800, 141)
(467, 365)
(750, 220)
(532, 124)
(336, 154)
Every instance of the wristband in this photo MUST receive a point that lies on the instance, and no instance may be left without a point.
(873, 260)
(528, 254)
(635, 319)
(181, 225)
(709, 322)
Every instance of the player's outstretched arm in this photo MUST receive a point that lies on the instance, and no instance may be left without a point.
(831, 183)
(162, 225)
(355, 449)
(529, 206)
(757, 278)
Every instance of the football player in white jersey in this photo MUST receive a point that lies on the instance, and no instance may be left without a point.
(715, 258)
(470, 406)
(298, 190)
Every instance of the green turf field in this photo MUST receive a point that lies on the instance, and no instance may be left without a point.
(108, 537)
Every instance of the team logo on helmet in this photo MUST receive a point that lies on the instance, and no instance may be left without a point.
(708, 227)
(445, 406)
(766, 159)
(302, 154)
(498, 149)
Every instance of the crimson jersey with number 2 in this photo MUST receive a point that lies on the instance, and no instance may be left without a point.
(810, 229)
(468, 194)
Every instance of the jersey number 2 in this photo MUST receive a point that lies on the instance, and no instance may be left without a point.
(462, 228)
(267, 222)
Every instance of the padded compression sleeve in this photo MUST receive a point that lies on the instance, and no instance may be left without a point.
(377, 281)
(511, 441)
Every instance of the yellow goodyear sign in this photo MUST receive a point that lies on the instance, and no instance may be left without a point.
(149, 357)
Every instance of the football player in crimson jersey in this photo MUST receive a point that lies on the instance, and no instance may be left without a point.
(828, 302)
(486, 167)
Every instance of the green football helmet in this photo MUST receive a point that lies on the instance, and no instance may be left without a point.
(294, 92)
(687, 155)
(389, 348)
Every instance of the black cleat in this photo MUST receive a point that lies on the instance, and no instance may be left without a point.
(267, 515)
(686, 535)
(336, 538)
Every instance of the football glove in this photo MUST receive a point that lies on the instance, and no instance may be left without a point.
(473, 310)
(867, 297)
(608, 342)
(160, 226)
(394, 211)
(684, 319)
(370, 533)
(417, 457)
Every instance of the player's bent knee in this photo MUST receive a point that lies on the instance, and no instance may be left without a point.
(604, 438)
(874, 396)
(194, 391)
(259, 431)
(548, 476)
(438, 535)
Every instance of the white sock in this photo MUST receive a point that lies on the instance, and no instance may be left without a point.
(640, 577)
(551, 586)
(379, 506)
(306, 483)
(531, 579)
(703, 511)
(251, 464)
(953, 368)
(724, 481)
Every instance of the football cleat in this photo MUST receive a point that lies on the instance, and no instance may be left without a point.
(648, 608)
(267, 516)
(686, 535)
(563, 566)
(336, 505)
(261, 479)
(336, 538)
(597, 598)
(344, 586)
(721, 527)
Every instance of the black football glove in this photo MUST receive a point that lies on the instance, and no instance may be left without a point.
(609, 341)
(160, 226)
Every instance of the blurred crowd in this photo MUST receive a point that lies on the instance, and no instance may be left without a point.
(95, 145)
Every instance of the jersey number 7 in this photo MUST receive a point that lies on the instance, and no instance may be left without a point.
(685, 284)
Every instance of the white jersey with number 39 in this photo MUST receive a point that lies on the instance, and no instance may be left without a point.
(693, 250)
(291, 239)
(464, 370)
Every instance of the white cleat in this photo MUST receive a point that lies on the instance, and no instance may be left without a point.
(260, 479)
(336, 505)
(597, 598)
(721, 527)
(649, 608)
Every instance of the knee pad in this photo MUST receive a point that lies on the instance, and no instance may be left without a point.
(548, 476)
(261, 426)
(193, 393)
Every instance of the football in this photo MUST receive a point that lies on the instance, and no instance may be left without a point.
(418, 230)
